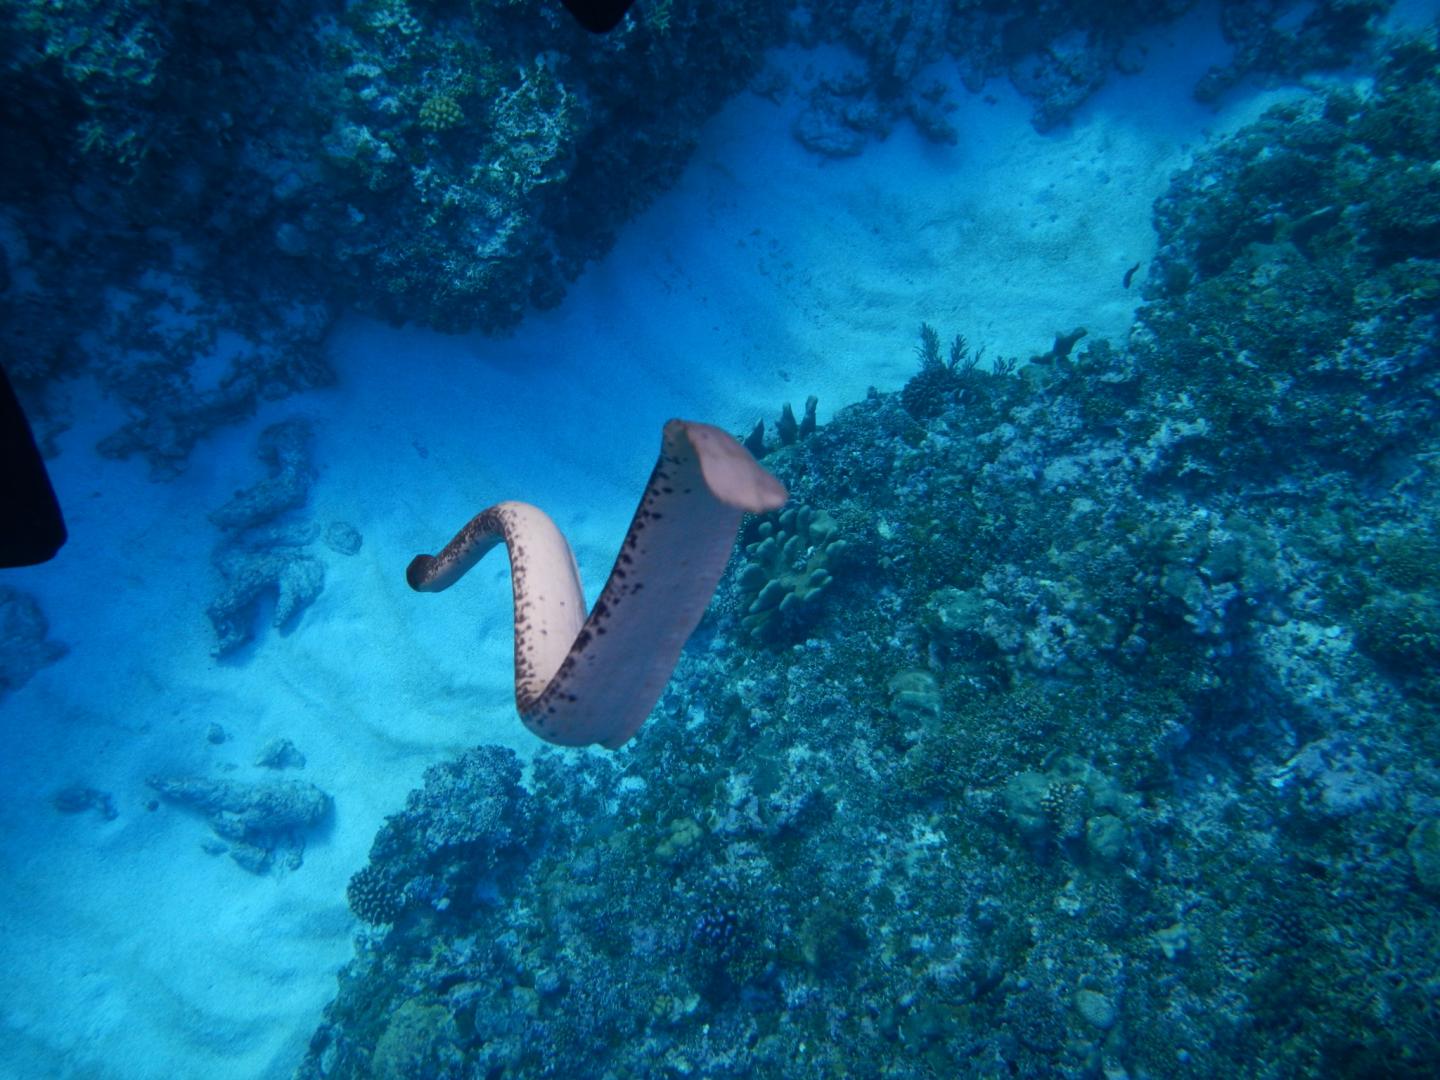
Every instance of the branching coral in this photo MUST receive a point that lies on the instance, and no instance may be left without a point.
(373, 896)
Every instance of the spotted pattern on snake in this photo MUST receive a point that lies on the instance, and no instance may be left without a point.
(582, 680)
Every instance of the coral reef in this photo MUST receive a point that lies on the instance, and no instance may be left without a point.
(420, 1039)
(1269, 40)
(25, 642)
(183, 366)
(1096, 769)
(425, 166)
(259, 822)
(262, 556)
(196, 192)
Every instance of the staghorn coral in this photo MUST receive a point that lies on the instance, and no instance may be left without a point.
(788, 568)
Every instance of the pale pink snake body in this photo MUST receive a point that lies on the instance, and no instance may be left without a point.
(594, 679)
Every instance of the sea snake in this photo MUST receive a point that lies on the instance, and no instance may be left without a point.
(582, 680)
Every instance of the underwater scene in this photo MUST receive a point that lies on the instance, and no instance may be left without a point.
(699, 539)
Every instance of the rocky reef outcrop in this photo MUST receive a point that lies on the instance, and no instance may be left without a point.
(265, 551)
(259, 825)
(1056, 54)
(25, 642)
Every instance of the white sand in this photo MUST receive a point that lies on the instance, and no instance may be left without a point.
(766, 275)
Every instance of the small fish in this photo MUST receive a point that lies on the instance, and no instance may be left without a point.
(1130, 275)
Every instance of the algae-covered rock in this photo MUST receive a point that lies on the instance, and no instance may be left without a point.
(1106, 837)
(1025, 803)
(264, 554)
(915, 698)
(1095, 1009)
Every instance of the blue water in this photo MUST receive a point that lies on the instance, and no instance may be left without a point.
(1096, 732)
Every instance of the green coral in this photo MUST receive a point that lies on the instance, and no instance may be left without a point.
(441, 112)
(391, 15)
(787, 570)
(112, 59)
